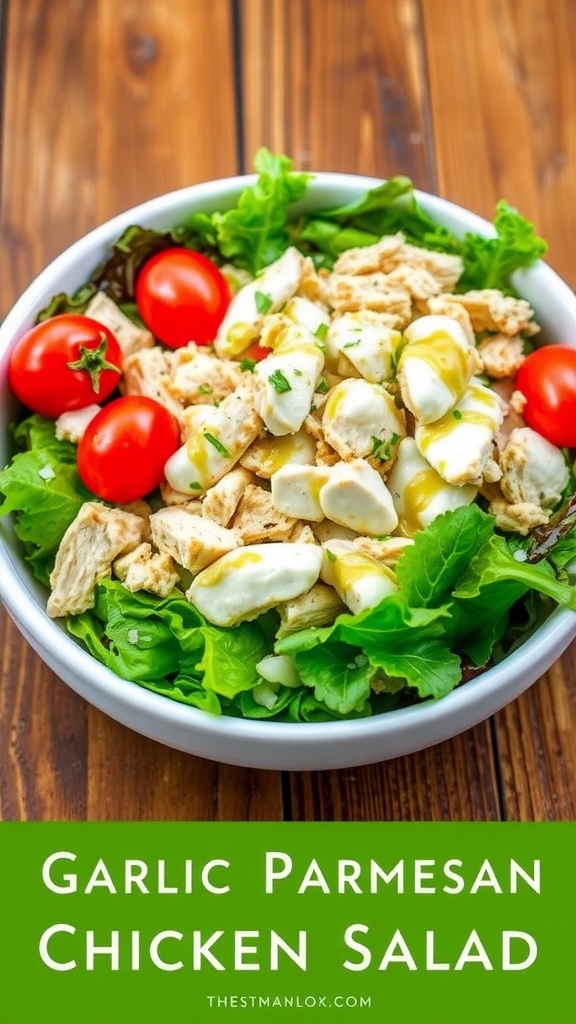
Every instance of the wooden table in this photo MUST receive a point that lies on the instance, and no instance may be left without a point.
(110, 102)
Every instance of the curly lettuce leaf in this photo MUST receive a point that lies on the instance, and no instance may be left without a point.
(339, 677)
(430, 568)
(495, 563)
(384, 210)
(41, 486)
(228, 664)
(489, 262)
(255, 232)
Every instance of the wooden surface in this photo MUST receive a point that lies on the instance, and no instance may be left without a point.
(109, 102)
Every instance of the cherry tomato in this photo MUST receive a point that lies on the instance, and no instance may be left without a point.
(256, 352)
(65, 363)
(122, 455)
(182, 296)
(547, 379)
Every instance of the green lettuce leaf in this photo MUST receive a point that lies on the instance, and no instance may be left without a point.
(228, 664)
(42, 488)
(339, 676)
(495, 563)
(429, 569)
(489, 262)
(384, 210)
(255, 233)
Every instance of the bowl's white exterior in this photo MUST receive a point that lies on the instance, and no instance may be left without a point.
(252, 743)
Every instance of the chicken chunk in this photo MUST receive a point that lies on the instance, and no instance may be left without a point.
(243, 584)
(268, 454)
(258, 520)
(71, 426)
(362, 420)
(359, 580)
(350, 293)
(490, 310)
(435, 366)
(244, 317)
(143, 569)
(392, 251)
(96, 537)
(221, 501)
(195, 376)
(129, 336)
(502, 355)
(192, 541)
(145, 373)
(211, 453)
(356, 496)
(533, 469)
(461, 443)
(419, 492)
(520, 517)
(364, 344)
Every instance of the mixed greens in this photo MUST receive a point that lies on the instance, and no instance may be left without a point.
(467, 594)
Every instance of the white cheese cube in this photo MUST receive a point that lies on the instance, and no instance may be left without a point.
(359, 580)
(296, 490)
(435, 367)
(242, 585)
(361, 419)
(356, 496)
(459, 444)
(419, 492)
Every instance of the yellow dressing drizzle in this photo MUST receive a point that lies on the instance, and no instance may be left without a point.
(446, 357)
(217, 572)
(418, 493)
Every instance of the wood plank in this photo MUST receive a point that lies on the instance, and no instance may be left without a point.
(346, 91)
(48, 157)
(511, 132)
(337, 85)
(120, 101)
(452, 781)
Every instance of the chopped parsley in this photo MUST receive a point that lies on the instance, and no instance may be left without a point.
(195, 486)
(321, 331)
(217, 444)
(381, 453)
(457, 414)
(322, 386)
(279, 382)
(263, 302)
(247, 365)
(330, 555)
(351, 344)
(205, 389)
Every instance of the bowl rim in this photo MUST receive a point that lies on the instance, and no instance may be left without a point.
(58, 648)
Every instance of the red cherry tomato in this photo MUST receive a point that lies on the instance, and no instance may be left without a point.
(256, 352)
(122, 454)
(182, 296)
(65, 363)
(547, 379)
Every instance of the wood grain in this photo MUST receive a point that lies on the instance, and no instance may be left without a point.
(109, 102)
(351, 96)
(91, 128)
(503, 104)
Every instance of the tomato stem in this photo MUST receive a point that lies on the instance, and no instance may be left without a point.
(93, 361)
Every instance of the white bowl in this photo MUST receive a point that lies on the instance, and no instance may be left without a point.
(265, 744)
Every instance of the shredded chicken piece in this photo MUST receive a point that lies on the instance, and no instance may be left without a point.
(502, 355)
(192, 541)
(197, 377)
(129, 336)
(96, 537)
(221, 501)
(257, 519)
(490, 310)
(145, 373)
(144, 569)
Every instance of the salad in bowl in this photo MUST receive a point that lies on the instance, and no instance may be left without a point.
(300, 456)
